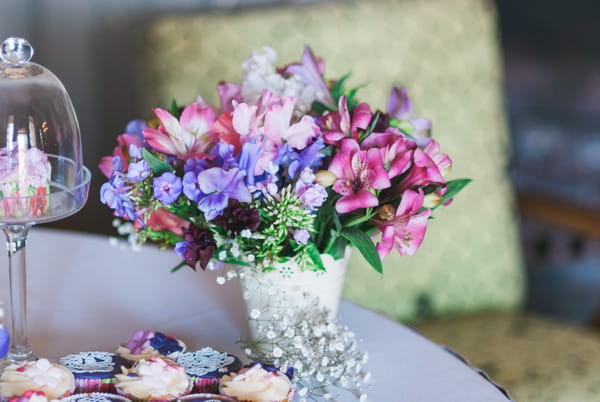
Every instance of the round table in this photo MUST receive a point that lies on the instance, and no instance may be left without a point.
(86, 293)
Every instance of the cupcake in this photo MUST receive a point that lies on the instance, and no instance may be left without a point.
(94, 371)
(206, 366)
(55, 380)
(95, 397)
(206, 398)
(156, 379)
(30, 396)
(256, 384)
(146, 344)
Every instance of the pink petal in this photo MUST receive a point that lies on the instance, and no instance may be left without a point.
(106, 166)
(300, 134)
(243, 118)
(197, 120)
(387, 242)
(344, 115)
(378, 176)
(227, 92)
(159, 141)
(414, 233)
(169, 122)
(361, 117)
(358, 200)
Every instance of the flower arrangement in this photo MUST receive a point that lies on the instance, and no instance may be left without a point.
(288, 166)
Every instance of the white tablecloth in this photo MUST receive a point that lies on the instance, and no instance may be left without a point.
(85, 294)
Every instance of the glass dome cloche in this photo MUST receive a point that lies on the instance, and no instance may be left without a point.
(42, 176)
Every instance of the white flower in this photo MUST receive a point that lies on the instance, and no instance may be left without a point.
(277, 352)
(221, 280)
(254, 313)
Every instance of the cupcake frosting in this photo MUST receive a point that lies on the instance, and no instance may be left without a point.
(93, 364)
(257, 385)
(54, 380)
(146, 344)
(30, 396)
(208, 362)
(153, 378)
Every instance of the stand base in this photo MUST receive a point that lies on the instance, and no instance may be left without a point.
(20, 356)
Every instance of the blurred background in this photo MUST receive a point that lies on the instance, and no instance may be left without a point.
(552, 87)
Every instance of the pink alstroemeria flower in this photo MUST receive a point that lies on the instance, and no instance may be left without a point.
(189, 137)
(161, 219)
(443, 161)
(404, 229)
(358, 171)
(423, 172)
(337, 125)
(228, 92)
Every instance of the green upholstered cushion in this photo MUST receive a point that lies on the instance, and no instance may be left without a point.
(535, 359)
(446, 53)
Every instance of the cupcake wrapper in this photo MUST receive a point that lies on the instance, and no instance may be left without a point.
(205, 385)
(87, 385)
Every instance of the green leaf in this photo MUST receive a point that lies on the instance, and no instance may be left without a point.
(454, 187)
(157, 165)
(315, 256)
(174, 108)
(178, 266)
(364, 244)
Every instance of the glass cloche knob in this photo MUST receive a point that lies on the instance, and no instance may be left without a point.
(16, 51)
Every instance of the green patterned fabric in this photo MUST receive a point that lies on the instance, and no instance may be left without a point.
(535, 359)
(446, 53)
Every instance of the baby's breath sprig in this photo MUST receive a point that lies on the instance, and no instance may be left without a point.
(323, 353)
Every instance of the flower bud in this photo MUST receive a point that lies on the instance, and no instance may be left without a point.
(325, 178)
(386, 212)
(431, 200)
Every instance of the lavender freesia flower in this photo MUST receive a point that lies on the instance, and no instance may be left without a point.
(167, 188)
(311, 74)
(217, 186)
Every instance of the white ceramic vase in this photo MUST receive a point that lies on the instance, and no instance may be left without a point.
(287, 289)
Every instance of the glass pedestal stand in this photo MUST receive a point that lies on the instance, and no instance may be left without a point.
(16, 239)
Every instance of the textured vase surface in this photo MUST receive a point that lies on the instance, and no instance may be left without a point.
(287, 289)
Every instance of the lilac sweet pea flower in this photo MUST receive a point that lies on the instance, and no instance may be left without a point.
(247, 160)
(167, 188)
(217, 186)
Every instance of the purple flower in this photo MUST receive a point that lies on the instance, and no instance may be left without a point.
(224, 155)
(217, 186)
(247, 159)
(138, 171)
(135, 127)
(117, 164)
(135, 151)
(310, 73)
(197, 248)
(312, 195)
(236, 218)
(167, 188)
(195, 165)
(114, 194)
(191, 188)
(301, 236)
